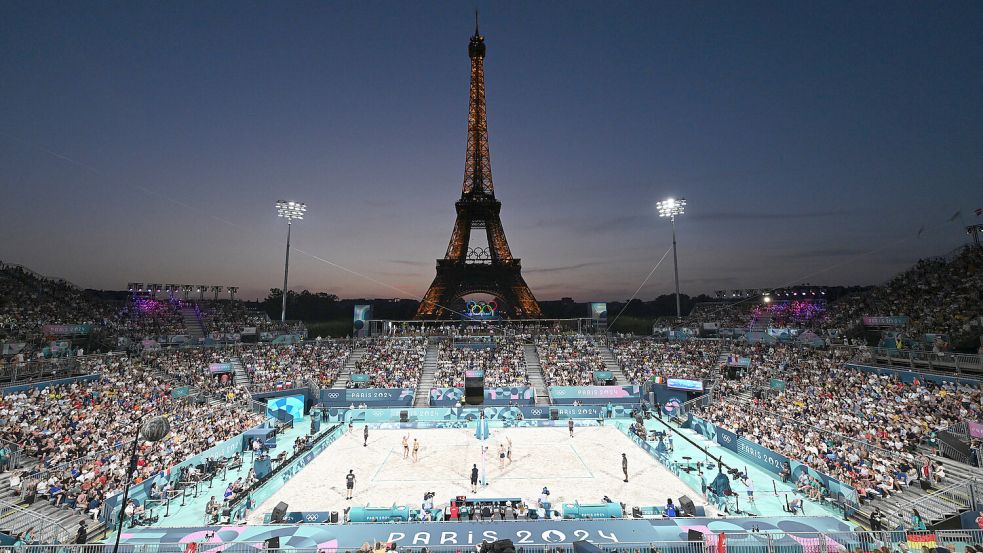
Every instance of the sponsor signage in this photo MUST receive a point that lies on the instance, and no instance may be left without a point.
(374, 397)
(217, 368)
(622, 534)
(886, 321)
(455, 417)
(66, 330)
(595, 394)
(738, 361)
(762, 456)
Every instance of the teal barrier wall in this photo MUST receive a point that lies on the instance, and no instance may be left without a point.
(468, 414)
(516, 395)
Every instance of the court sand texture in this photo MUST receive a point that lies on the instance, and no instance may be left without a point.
(583, 468)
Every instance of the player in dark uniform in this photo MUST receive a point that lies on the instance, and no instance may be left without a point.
(365, 437)
(570, 426)
(624, 465)
(474, 478)
(350, 483)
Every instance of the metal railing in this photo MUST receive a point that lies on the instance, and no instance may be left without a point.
(929, 361)
(30, 371)
(950, 452)
(937, 505)
(43, 528)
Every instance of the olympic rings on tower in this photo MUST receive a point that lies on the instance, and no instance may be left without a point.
(481, 309)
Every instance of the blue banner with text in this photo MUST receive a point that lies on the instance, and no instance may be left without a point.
(595, 394)
(371, 397)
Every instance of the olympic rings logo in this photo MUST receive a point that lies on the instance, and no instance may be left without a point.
(481, 309)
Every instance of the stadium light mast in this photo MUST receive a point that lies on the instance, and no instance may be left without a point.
(672, 208)
(290, 211)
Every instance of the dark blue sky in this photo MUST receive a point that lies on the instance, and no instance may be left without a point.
(148, 141)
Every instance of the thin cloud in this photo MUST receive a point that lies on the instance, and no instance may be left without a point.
(771, 216)
(585, 225)
(563, 268)
(826, 252)
(398, 274)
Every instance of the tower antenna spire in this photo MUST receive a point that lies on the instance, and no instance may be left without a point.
(476, 22)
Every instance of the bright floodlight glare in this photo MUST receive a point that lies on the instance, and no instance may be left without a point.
(671, 207)
(291, 210)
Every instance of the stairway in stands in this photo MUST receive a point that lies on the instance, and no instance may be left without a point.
(611, 363)
(192, 323)
(535, 372)
(239, 375)
(51, 524)
(759, 325)
(346, 371)
(423, 387)
(942, 501)
(623, 374)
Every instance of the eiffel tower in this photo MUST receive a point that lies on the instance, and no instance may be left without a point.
(465, 270)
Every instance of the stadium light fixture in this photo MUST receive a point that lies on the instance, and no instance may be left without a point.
(673, 208)
(290, 211)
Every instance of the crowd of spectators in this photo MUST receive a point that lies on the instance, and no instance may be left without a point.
(504, 364)
(393, 363)
(794, 313)
(232, 317)
(276, 366)
(643, 359)
(569, 360)
(29, 301)
(190, 367)
(941, 295)
(724, 314)
(78, 432)
(861, 428)
(148, 318)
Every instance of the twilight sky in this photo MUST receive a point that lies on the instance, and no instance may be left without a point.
(147, 141)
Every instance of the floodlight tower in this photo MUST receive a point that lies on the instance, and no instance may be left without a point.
(290, 211)
(672, 208)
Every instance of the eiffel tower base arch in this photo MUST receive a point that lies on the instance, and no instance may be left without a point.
(502, 279)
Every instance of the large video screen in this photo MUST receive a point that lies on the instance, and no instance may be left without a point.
(683, 384)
